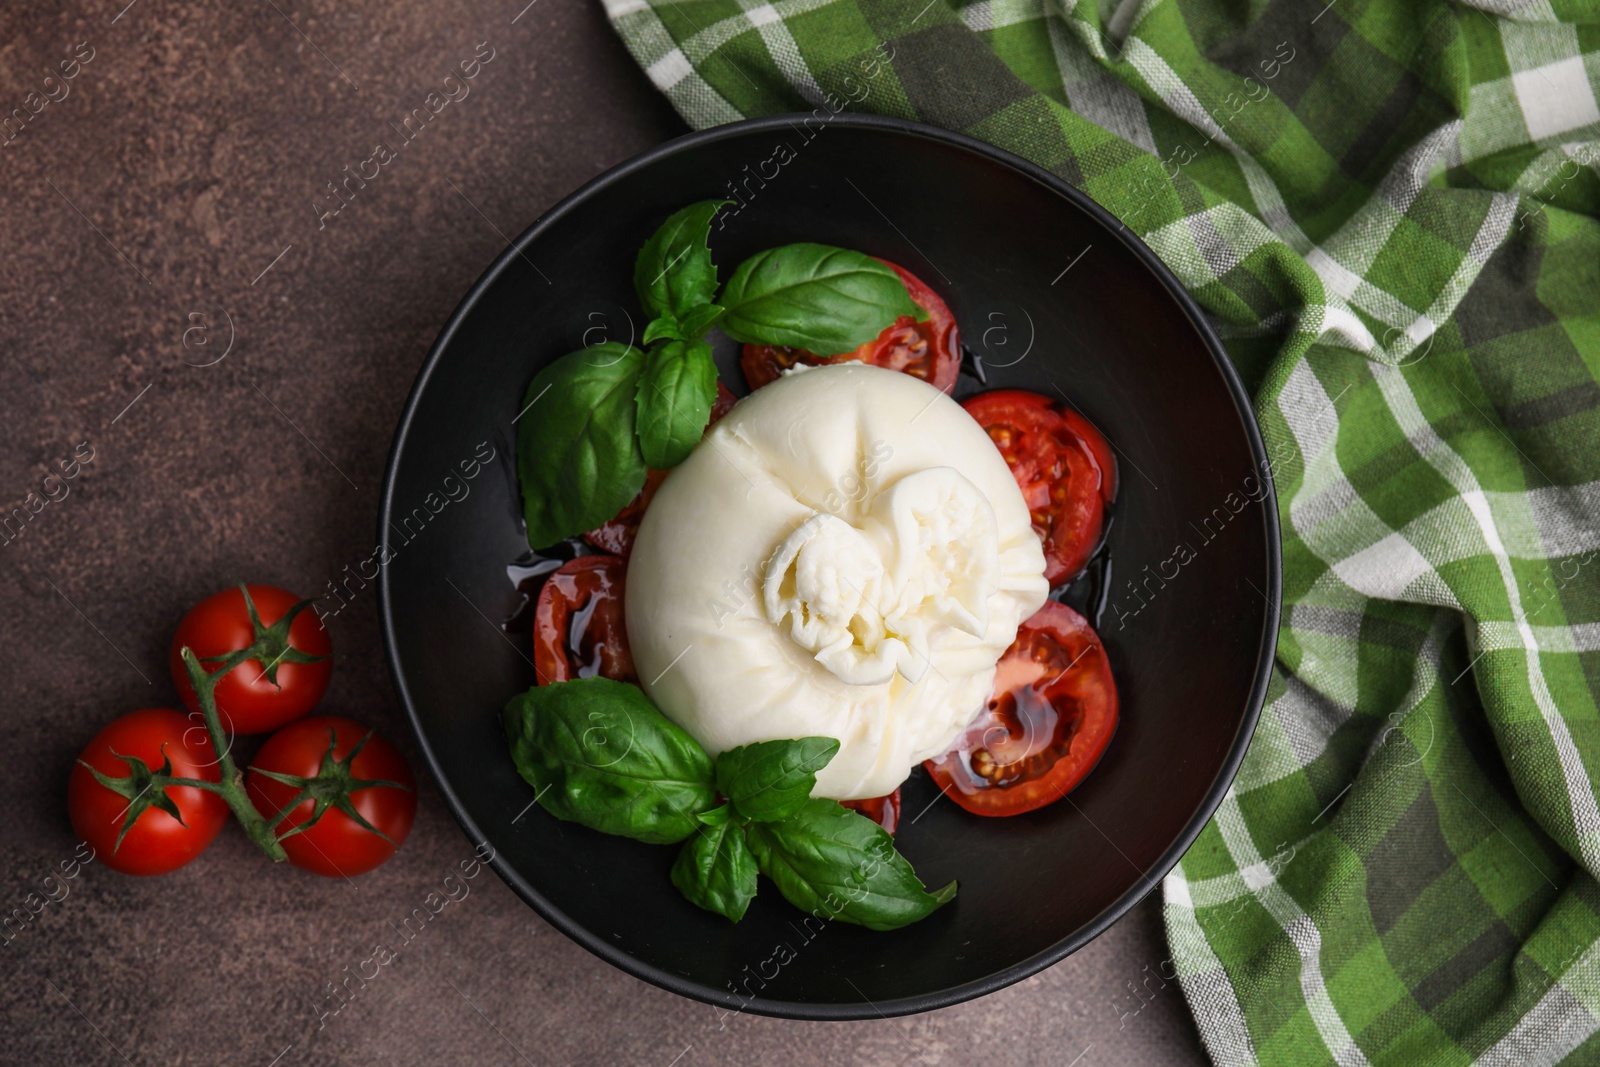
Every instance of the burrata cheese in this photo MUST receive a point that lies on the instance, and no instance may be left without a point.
(844, 555)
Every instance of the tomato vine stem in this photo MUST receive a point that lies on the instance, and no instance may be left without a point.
(231, 787)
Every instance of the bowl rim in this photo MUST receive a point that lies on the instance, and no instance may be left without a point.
(866, 1009)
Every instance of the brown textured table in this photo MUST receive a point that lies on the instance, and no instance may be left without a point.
(169, 199)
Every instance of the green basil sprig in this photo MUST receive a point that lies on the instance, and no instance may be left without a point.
(826, 300)
(674, 274)
(675, 392)
(599, 753)
(771, 780)
(593, 422)
(716, 871)
(578, 456)
(836, 863)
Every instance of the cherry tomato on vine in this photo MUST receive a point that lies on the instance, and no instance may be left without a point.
(930, 350)
(262, 694)
(578, 625)
(617, 535)
(1063, 466)
(1052, 713)
(135, 822)
(349, 795)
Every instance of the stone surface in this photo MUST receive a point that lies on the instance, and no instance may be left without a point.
(168, 202)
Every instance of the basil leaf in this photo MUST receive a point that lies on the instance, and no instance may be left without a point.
(577, 456)
(666, 326)
(675, 392)
(718, 816)
(691, 326)
(826, 300)
(835, 864)
(674, 272)
(599, 753)
(697, 320)
(716, 871)
(771, 780)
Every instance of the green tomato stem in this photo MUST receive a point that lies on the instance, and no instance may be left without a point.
(231, 787)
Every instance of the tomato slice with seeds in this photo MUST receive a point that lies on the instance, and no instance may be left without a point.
(1062, 464)
(1053, 712)
(885, 811)
(578, 625)
(617, 535)
(930, 350)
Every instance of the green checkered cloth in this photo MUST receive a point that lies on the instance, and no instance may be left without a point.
(1389, 212)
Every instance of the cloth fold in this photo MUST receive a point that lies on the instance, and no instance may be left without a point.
(1391, 214)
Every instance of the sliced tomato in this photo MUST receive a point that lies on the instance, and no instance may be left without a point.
(617, 535)
(578, 625)
(931, 350)
(1052, 713)
(885, 811)
(1063, 466)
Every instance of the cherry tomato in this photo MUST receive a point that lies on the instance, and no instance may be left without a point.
(931, 350)
(617, 535)
(578, 625)
(885, 811)
(156, 842)
(335, 845)
(251, 698)
(1063, 466)
(1052, 714)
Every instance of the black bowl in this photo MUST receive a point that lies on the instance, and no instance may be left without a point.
(1051, 293)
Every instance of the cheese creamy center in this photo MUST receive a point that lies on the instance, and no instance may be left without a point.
(845, 555)
(862, 599)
